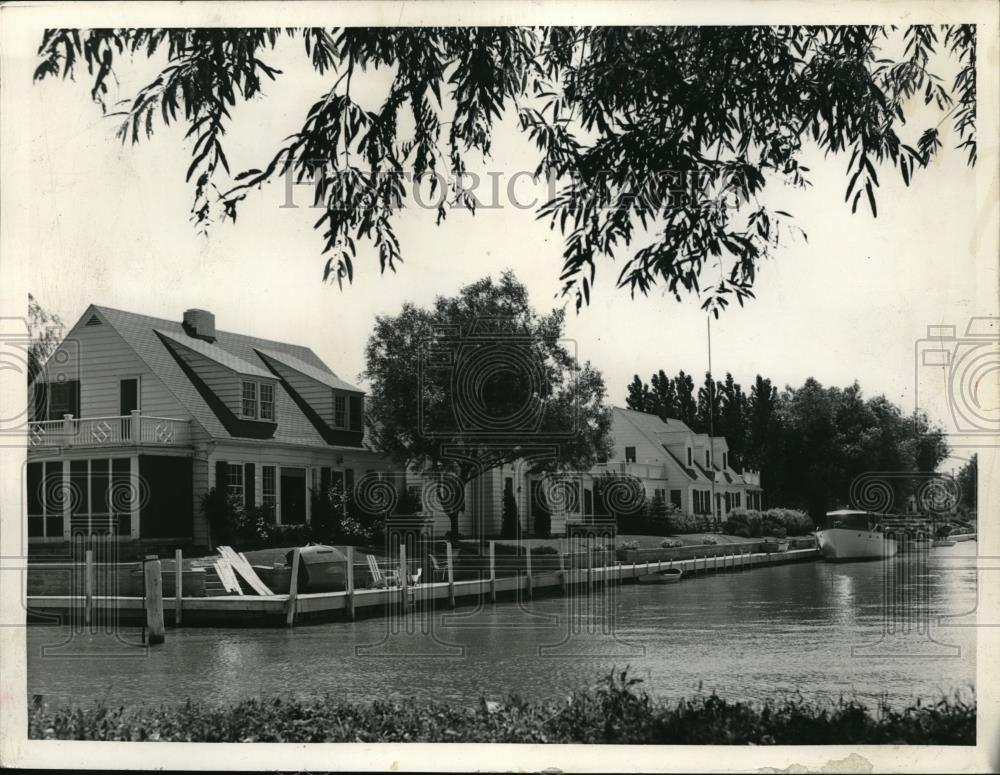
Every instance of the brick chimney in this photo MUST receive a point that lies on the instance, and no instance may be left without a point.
(200, 324)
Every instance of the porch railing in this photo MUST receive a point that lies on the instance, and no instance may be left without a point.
(125, 430)
(641, 470)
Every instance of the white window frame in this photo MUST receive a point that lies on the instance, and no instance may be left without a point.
(261, 402)
(243, 398)
(341, 412)
(242, 486)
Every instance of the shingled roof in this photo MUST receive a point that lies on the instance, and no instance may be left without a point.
(235, 351)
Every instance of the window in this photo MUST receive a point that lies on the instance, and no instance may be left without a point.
(269, 486)
(675, 498)
(724, 461)
(629, 454)
(659, 493)
(339, 411)
(707, 463)
(250, 399)
(689, 457)
(266, 401)
(235, 482)
(63, 398)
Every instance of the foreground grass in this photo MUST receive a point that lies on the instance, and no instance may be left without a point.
(619, 711)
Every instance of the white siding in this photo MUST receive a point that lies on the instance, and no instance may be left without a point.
(100, 359)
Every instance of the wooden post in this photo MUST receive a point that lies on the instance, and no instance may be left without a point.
(562, 574)
(350, 583)
(493, 573)
(527, 571)
(154, 598)
(404, 579)
(590, 565)
(451, 575)
(178, 586)
(88, 585)
(293, 589)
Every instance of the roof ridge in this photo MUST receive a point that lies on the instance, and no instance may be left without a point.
(218, 331)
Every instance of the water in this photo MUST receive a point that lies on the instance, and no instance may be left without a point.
(751, 635)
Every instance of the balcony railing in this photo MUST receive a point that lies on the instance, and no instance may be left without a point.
(640, 470)
(123, 431)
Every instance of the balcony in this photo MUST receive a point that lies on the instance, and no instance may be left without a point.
(639, 470)
(123, 431)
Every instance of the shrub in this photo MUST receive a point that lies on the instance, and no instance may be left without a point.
(618, 711)
(686, 523)
(510, 524)
(670, 543)
(795, 522)
(545, 549)
(628, 545)
(709, 541)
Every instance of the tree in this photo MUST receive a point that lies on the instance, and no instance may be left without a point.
(967, 478)
(687, 407)
(44, 334)
(664, 137)
(510, 525)
(639, 397)
(480, 380)
(664, 397)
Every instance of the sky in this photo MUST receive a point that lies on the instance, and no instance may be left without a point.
(111, 226)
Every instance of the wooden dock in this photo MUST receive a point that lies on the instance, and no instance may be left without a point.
(277, 609)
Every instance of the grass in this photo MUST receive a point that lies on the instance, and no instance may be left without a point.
(618, 711)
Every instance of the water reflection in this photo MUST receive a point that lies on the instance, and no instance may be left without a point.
(747, 635)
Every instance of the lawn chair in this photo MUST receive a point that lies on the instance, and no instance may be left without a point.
(440, 571)
(381, 580)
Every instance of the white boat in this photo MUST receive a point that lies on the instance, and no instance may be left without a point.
(963, 536)
(944, 542)
(854, 535)
(665, 576)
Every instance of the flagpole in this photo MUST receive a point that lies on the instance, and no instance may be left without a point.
(711, 416)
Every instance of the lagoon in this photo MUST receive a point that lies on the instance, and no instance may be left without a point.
(896, 631)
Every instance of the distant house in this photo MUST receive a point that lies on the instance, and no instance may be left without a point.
(665, 456)
(135, 418)
(688, 469)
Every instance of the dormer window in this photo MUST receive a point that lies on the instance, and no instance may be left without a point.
(258, 400)
(689, 457)
(340, 411)
(250, 399)
(724, 464)
(708, 463)
(266, 401)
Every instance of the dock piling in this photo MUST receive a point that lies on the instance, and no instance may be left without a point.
(350, 583)
(527, 571)
(88, 585)
(404, 578)
(178, 586)
(153, 577)
(293, 590)
(451, 575)
(493, 572)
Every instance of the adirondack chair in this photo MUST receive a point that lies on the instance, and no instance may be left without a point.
(389, 578)
(440, 571)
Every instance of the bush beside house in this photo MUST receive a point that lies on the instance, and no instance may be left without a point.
(773, 522)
